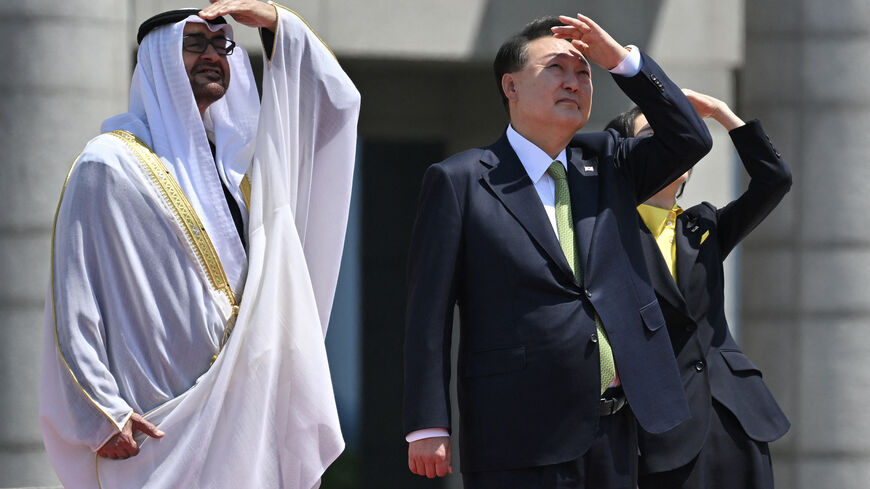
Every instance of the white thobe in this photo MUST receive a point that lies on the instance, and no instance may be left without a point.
(134, 318)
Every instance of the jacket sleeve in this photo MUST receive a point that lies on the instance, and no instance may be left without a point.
(432, 283)
(770, 181)
(680, 137)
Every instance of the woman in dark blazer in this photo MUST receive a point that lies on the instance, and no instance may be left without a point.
(734, 415)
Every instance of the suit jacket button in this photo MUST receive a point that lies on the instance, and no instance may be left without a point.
(593, 338)
(699, 365)
(588, 294)
(691, 327)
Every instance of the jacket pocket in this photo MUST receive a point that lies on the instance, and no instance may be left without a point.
(739, 362)
(652, 316)
(493, 362)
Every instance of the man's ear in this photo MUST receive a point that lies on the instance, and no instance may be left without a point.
(509, 86)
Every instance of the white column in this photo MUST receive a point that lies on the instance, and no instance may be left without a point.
(807, 314)
(65, 66)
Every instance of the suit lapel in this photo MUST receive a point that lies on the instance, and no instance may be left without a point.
(688, 238)
(661, 278)
(583, 182)
(511, 184)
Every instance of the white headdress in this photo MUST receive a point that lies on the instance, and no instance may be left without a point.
(164, 114)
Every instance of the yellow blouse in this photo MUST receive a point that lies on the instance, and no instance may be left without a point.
(662, 223)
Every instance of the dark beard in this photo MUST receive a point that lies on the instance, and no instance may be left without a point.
(208, 91)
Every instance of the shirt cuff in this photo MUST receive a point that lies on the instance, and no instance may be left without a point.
(629, 66)
(426, 433)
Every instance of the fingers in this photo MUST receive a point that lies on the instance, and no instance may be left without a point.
(252, 13)
(421, 465)
(210, 12)
(104, 452)
(120, 446)
(586, 20)
(145, 426)
(446, 466)
(573, 28)
(432, 469)
(430, 457)
(705, 105)
(710, 107)
(584, 24)
(580, 45)
(128, 449)
(221, 7)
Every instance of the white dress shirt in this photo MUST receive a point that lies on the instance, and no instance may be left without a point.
(536, 162)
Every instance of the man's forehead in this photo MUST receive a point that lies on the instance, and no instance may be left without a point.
(550, 47)
(201, 28)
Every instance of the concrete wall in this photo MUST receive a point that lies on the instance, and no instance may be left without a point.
(805, 273)
(60, 78)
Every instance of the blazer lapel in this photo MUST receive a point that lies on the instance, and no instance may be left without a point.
(688, 238)
(583, 182)
(661, 278)
(511, 184)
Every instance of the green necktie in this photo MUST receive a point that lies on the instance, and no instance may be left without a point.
(565, 227)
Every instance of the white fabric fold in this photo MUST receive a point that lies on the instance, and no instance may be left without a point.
(163, 113)
(264, 414)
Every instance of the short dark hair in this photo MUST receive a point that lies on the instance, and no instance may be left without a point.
(514, 54)
(624, 122)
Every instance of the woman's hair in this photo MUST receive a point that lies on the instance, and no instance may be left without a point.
(624, 122)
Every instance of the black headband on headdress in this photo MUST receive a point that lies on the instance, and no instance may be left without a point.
(171, 17)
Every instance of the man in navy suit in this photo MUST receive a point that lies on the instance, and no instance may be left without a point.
(539, 332)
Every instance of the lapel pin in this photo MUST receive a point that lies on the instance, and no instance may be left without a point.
(588, 168)
(694, 229)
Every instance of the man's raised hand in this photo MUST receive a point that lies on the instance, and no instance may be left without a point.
(591, 40)
(122, 445)
(712, 108)
(251, 13)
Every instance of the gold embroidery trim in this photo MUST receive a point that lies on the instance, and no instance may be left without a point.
(306, 24)
(245, 187)
(97, 468)
(184, 212)
(145, 156)
(190, 223)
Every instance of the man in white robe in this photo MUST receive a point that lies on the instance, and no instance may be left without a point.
(194, 260)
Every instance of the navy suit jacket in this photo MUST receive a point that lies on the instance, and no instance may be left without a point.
(711, 364)
(528, 367)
